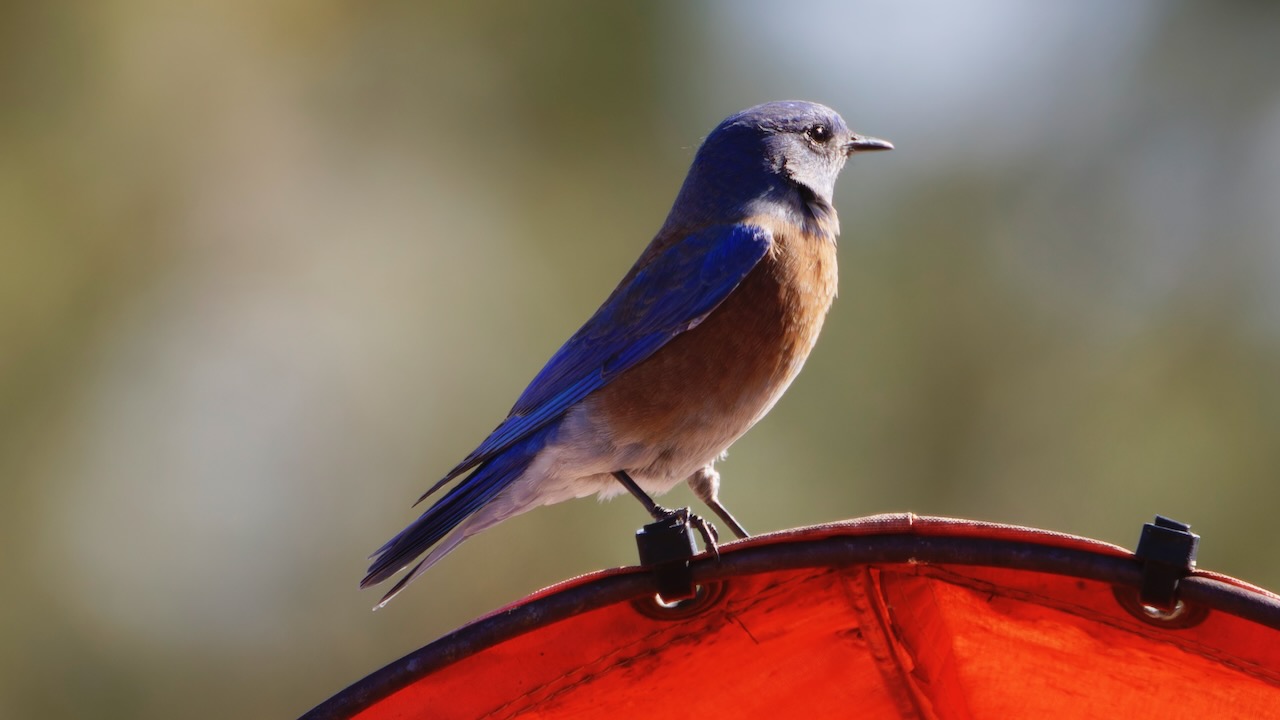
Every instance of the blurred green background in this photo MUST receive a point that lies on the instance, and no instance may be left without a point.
(268, 269)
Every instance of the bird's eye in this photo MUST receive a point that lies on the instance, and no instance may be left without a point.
(819, 133)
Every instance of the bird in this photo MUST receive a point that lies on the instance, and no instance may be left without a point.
(696, 344)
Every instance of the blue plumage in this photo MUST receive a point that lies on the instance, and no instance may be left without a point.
(460, 502)
(663, 299)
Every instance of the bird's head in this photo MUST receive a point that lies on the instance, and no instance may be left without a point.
(772, 153)
(804, 142)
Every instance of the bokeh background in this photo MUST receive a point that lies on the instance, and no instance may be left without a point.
(268, 269)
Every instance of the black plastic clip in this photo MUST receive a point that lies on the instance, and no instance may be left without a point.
(667, 546)
(1167, 550)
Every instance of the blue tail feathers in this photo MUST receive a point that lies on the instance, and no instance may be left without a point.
(488, 479)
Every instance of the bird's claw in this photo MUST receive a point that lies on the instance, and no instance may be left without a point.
(705, 528)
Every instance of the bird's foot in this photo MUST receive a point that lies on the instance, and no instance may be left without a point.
(685, 516)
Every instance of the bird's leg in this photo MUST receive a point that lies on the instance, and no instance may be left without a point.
(706, 485)
(656, 511)
(710, 536)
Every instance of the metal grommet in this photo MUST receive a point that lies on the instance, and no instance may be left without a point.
(705, 597)
(1181, 616)
(1165, 616)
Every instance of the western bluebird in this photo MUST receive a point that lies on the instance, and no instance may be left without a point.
(695, 345)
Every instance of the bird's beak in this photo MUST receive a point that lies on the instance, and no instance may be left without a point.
(866, 143)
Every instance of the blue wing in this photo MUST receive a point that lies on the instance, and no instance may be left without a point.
(668, 295)
(657, 301)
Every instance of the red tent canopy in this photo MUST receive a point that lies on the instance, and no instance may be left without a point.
(894, 616)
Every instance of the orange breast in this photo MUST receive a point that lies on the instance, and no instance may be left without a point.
(710, 384)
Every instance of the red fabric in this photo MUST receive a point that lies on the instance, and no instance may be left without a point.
(870, 641)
